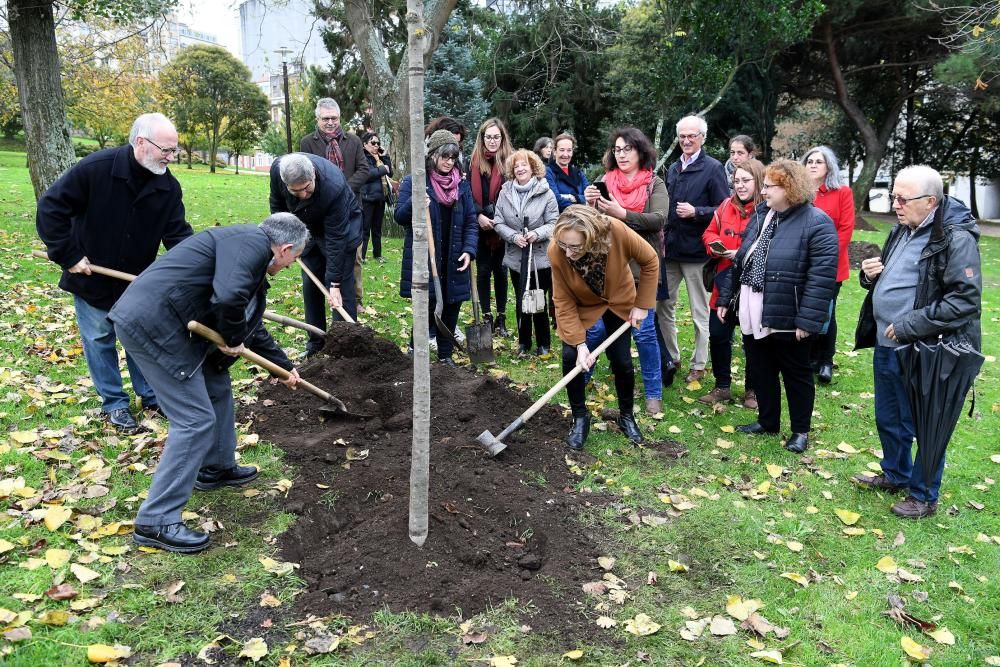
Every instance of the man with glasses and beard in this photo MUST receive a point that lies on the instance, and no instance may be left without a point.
(113, 209)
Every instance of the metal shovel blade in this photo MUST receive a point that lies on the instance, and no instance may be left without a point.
(479, 340)
(336, 408)
(490, 443)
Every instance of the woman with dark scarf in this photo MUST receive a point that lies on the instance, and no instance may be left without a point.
(486, 177)
(453, 221)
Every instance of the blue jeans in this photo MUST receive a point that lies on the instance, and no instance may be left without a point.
(99, 349)
(895, 429)
(649, 354)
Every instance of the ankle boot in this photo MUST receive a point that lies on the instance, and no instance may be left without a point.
(626, 422)
(501, 324)
(578, 432)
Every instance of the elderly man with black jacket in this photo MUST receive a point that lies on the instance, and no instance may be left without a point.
(218, 278)
(315, 191)
(926, 283)
(113, 209)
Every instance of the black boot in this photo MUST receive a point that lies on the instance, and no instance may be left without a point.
(579, 432)
(501, 329)
(626, 422)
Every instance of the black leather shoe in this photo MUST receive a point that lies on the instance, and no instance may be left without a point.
(171, 537)
(212, 478)
(797, 443)
(626, 422)
(669, 371)
(754, 429)
(448, 361)
(501, 324)
(542, 350)
(825, 373)
(578, 433)
(123, 420)
(523, 349)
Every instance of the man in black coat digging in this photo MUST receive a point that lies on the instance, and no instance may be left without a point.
(113, 209)
(218, 278)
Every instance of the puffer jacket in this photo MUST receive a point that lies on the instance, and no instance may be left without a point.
(949, 283)
(800, 271)
(372, 189)
(727, 227)
(561, 183)
(540, 210)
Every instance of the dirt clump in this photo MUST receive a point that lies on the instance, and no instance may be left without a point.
(857, 251)
(499, 527)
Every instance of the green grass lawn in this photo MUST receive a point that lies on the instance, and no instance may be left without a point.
(755, 511)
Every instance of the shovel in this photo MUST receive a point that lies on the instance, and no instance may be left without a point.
(128, 277)
(438, 299)
(326, 293)
(335, 407)
(479, 336)
(495, 445)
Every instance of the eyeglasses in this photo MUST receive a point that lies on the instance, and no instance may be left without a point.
(767, 186)
(622, 150)
(329, 119)
(689, 137)
(165, 151)
(375, 143)
(574, 248)
(815, 161)
(903, 201)
(492, 137)
(304, 188)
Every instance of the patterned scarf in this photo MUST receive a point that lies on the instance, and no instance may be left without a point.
(333, 152)
(591, 268)
(446, 186)
(753, 274)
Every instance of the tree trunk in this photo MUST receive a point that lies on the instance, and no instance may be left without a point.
(39, 90)
(973, 171)
(420, 455)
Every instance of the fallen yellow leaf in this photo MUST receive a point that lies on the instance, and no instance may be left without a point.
(794, 546)
(255, 649)
(797, 578)
(854, 531)
(768, 656)
(606, 622)
(84, 574)
(575, 654)
(914, 650)
(846, 448)
(56, 558)
(23, 437)
(676, 566)
(848, 517)
(56, 516)
(774, 470)
(641, 626)
(729, 428)
(942, 636)
(741, 609)
(850, 595)
(887, 564)
(5, 546)
(503, 661)
(101, 653)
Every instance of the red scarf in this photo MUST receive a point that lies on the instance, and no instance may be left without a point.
(632, 195)
(333, 152)
(496, 180)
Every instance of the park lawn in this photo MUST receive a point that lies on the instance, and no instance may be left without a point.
(745, 525)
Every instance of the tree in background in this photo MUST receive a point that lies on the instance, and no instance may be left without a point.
(246, 128)
(206, 90)
(452, 87)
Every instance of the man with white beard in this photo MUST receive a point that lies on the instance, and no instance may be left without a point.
(113, 209)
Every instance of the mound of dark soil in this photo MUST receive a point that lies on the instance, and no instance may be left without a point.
(859, 250)
(499, 527)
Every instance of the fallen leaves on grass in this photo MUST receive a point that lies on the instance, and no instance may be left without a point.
(741, 609)
(797, 578)
(721, 626)
(102, 653)
(848, 517)
(641, 626)
(768, 656)
(255, 649)
(914, 650)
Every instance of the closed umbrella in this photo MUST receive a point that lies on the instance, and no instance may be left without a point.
(938, 377)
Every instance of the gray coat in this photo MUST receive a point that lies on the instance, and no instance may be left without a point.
(217, 277)
(541, 210)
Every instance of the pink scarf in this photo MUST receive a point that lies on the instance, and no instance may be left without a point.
(445, 186)
(632, 195)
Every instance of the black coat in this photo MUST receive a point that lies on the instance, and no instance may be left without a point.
(463, 236)
(111, 210)
(355, 166)
(332, 215)
(703, 185)
(949, 283)
(212, 278)
(372, 189)
(801, 270)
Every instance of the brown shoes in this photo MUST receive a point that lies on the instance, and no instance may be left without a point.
(750, 400)
(877, 483)
(695, 374)
(911, 508)
(717, 395)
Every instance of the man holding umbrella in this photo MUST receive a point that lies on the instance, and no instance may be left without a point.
(926, 284)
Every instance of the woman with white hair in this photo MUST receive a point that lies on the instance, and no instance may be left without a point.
(836, 200)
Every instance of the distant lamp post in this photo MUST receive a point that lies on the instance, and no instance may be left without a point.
(283, 52)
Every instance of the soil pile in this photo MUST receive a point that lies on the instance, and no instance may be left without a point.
(499, 527)
(857, 251)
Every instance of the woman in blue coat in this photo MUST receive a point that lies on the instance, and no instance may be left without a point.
(456, 232)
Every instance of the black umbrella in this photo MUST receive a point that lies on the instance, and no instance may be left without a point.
(938, 377)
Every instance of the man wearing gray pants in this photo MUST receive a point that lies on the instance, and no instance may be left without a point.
(218, 278)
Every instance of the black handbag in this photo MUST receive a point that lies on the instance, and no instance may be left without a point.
(708, 273)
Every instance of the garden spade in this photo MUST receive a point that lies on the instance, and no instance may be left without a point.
(494, 444)
(479, 336)
(438, 299)
(326, 293)
(335, 407)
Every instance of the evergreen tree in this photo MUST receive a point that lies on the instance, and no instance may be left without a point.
(452, 87)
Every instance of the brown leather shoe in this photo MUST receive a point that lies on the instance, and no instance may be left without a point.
(911, 508)
(877, 483)
(695, 374)
(717, 395)
(750, 400)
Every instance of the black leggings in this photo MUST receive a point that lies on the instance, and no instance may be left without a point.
(543, 334)
(619, 353)
(489, 263)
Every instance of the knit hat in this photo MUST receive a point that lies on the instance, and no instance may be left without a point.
(440, 138)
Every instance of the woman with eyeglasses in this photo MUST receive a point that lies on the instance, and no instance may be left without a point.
(638, 198)
(722, 238)
(453, 221)
(784, 274)
(374, 194)
(526, 213)
(486, 176)
(592, 280)
(837, 201)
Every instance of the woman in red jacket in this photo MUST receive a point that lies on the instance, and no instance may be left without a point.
(836, 201)
(727, 227)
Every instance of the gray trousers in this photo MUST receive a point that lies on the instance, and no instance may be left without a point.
(202, 432)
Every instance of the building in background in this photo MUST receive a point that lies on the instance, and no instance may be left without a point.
(167, 38)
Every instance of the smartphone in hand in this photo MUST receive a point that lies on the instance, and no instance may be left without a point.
(718, 247)
(602, 187)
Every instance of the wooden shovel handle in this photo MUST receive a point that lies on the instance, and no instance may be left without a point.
(94, 268)
(430, 243)
(254, 358)
(322, 288)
